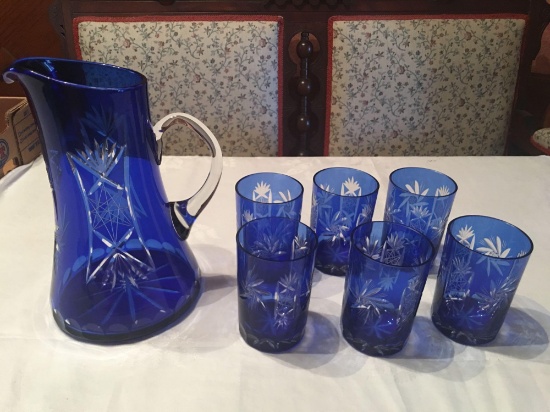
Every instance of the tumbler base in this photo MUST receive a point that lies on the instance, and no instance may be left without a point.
(269, 345)
(380, 350)
(464, 338)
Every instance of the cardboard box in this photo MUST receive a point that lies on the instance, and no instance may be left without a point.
(19, 141)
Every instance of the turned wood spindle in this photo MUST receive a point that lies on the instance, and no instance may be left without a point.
(304, 50)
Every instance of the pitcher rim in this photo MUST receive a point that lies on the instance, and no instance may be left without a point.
(142, 79)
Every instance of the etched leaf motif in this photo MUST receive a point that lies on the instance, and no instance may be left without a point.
(289, 283)
(391, 212)
(464, 234)
(498, 295)
(252, 290)
(334, 225)
(350, 187)
(442, 191)
(248, 216)
(289, 210)
(412, 199)
(369, 299)
(395, 240)
(494, 248)
(300, 246)
(262, 193)
(268, 246)
(437, 228)
(388, 279)
(420, 212)
(285, 197)
(323, 197)
(366, 214)
(392, 249)
(99, 161)
(326, 188)
(417, 189)
(469, 318)
(371, 248)
(101, 121)
(490, 299)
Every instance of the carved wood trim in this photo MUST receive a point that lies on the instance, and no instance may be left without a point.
(313, 3)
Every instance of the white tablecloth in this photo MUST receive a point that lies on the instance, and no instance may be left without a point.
(203, 364)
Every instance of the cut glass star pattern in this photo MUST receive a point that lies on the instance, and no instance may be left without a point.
(100, 172)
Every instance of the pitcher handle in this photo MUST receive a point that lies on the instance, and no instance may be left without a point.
(185, 212)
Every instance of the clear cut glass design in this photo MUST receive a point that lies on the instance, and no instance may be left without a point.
(422, 199)
(274, 269)
(483, 261)
(389, 265)
(342, 198)
(268, 194)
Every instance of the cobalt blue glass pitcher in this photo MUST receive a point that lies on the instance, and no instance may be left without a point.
(122, 268)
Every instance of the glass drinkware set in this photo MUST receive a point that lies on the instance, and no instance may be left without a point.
(123, 269)
(385, 263)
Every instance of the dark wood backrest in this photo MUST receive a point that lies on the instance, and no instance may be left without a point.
(305, 43)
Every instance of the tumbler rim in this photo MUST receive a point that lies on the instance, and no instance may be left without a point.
(453, 192)
(305, 256)
(422, 235)
(377, 184)
(248, 198)
(494, 219)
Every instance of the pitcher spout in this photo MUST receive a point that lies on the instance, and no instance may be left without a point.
(32, 68)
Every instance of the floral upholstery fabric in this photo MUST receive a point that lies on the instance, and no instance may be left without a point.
(222, 71)
(541, 140)
(421, 86)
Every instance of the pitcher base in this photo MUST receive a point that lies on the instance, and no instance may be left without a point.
(93, 333)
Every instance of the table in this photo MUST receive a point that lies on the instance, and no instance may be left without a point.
(203, 364)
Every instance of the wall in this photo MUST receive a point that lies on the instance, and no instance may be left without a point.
(25, 31)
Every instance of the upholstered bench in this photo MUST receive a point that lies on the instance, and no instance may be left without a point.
(422, 86)
(541, 140)
(323, 77)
